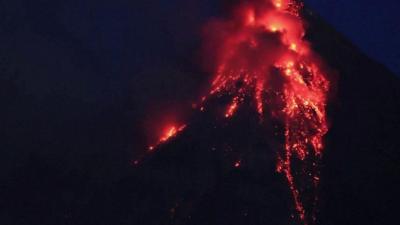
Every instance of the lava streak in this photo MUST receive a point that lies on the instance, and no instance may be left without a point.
(259, 51)
(170, 132)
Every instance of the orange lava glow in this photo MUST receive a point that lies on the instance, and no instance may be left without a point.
(261, 46)
(169, 132)
(259, 52)
(232, 108)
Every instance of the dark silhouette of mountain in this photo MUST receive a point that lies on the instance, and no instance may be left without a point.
(361, 161)
(191, 179)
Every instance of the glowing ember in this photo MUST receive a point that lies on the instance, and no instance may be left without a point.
(135, 162)
(237, 164)
(259, 52)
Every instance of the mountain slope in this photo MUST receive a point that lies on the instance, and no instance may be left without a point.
(360, 168)
(193, 179)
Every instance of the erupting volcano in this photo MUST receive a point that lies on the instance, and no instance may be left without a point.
(259, 56)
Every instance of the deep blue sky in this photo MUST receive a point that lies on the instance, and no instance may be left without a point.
(373, 25)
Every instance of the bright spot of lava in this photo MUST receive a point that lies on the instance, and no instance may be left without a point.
(237, 164)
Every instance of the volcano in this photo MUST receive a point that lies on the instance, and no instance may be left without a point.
(221, 167)
(217, 170)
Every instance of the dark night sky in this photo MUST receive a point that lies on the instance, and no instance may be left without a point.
(372, 25)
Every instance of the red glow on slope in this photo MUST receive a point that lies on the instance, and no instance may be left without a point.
(259, 52)
(232, 107)
(261, 45)
(169, 132)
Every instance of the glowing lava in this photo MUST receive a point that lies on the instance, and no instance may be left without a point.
(259, 52)
(261, 47)
(237, 164)
(169, 133)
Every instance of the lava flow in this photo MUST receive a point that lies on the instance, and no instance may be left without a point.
(169, 133)
(258, 51)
